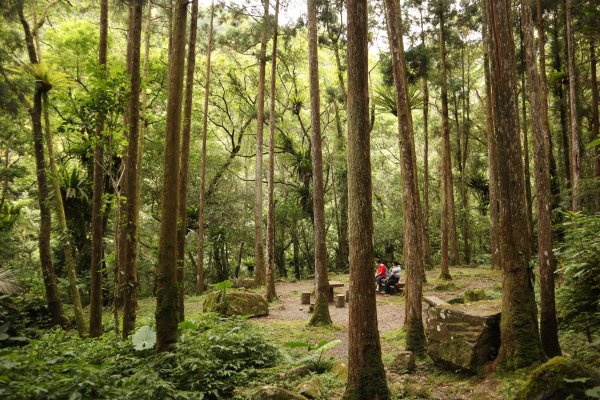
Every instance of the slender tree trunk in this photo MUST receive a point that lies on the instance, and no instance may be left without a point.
(259, 252)
(425, 219)
(200, 266)
(98, 185)
(541, 135)
(518, 329)
(413, 258)
(167, 289)
(366, 375)
(185, 157)
(271, 294)
(465, 153)
(525, 137)
(341, 256)
(595, 118)
(492, 151)
(445, 164)
(574, 150)
(320, 314)
(130, 284)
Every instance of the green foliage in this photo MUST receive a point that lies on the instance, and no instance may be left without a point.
(314, 358)
(578, 303)
(213, 357)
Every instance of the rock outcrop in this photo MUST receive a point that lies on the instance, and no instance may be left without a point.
(236, 303)
(463, 336)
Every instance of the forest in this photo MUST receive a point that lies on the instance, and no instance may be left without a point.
(299, 199)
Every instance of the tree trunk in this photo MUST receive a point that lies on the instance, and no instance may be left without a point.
(320, 314)
(492, 151)
(518, 328)
(447, 195)
(525, 137)
(341, 255)
(184, 163)
(541, 135)
(464, 147)
(130, 284)
(97, 198)
(366, 375)
(271, 294)
(595, 118)
(574, 150)
(259, 252)
(426, 252)
(413, 257)
(200, 266)
(167, 288)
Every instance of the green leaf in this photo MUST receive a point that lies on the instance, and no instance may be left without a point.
(183, 325)
(144, 338)
(576, 380)
(593, 392)
(223, 285)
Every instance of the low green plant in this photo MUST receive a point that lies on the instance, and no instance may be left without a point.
(213, 357)
(314, 358)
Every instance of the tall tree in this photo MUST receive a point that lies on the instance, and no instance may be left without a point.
(130, 284)
(35, 111)
(98, 185)
(167, 287)
(541, 136)
(366, 375)
(259, 251)
(449, 250)
(518, 329)
(200, 265)
(574, 150)
(595, 117)
(185, 156)
(413, 255)
(496, 261)
(321, 311)
(271, 294)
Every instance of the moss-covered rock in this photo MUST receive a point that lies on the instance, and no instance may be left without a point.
(311, 389)
(559, 378)
(276, 393)
(403, 362)
(340, 370)
(236, 303)
(473, 295)
(246, 283)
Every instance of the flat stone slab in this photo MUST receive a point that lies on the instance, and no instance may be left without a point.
(463, 336)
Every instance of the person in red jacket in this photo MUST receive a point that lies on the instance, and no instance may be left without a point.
(380, 275)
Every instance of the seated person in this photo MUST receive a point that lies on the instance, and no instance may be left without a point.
(380, 276)
(394, 276)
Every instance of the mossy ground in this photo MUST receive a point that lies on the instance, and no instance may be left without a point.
(428, 381)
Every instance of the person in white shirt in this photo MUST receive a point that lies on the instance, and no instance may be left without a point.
(394, 276)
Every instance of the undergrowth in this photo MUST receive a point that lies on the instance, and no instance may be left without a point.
(213, 357)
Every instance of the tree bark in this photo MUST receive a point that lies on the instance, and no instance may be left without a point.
(413, 251)
(447, 196)
(320, 314)
(574, 150)
(541, 135)
(167, 287)
(518, 328)
(526, 172)
(259, 251)
(98, 192)
(271, 294)
(200, 266)
(185, 157)
(426, 251)
(366, 375)
(130, 284)
(496, 261)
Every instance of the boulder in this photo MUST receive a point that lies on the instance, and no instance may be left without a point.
(340, 370)
(559, 378)
(276, 393)
(298, 372)
(463, 336)
(404, 362)
(311, 389)
(473, 295)
(236, 303)
(246, 283)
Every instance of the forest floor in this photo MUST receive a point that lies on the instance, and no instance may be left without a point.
(287, 321)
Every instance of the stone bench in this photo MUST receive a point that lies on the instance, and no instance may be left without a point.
(462, 336)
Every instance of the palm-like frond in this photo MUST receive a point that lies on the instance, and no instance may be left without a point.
(8, 285)
(385, 99)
